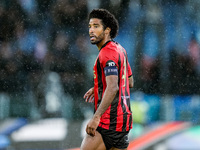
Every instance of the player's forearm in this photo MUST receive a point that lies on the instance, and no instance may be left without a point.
(107, 99)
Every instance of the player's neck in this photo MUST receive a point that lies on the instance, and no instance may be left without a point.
(105, 40)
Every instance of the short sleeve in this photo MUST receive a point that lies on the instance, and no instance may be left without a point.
(108, 60)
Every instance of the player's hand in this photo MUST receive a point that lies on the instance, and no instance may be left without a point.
(92, 126)
(89, 96)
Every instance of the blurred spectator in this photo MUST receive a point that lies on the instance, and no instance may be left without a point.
(80, 48)
(120, 6)
(194, 53)
(70, 15)
(66, 64)
(12, 71)
(150, 75)
(183, 77)
(9, 18)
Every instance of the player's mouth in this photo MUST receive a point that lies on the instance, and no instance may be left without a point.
(92, 37)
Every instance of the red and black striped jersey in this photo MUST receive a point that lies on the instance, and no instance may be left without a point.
(112, 60)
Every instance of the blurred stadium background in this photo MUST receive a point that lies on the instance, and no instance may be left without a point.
(46, 63)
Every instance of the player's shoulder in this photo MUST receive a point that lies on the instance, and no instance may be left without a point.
(110, 47)
(109, 52)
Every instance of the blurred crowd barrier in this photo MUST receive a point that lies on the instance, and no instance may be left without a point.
(146, 108)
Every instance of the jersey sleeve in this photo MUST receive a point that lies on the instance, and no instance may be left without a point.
(108, 60)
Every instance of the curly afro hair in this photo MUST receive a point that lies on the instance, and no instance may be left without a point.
(108, 20)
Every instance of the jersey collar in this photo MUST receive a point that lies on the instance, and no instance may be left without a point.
(105, 44)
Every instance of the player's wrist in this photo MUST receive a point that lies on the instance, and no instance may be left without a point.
(96, 117)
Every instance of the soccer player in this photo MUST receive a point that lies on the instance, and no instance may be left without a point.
(109, 127)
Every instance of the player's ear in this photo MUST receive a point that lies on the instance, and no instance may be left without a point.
(107, 30)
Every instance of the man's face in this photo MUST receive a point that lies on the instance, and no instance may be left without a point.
(96, 30)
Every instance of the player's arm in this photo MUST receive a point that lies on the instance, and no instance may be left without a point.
(111, 73)
(109, 94)
(111, 77)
